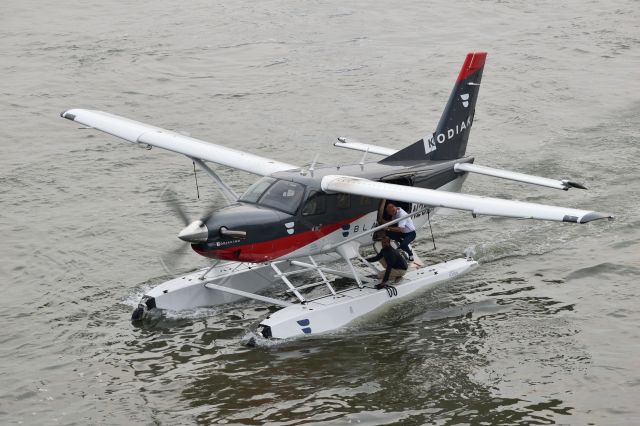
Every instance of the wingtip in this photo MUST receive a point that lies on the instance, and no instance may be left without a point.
(589, 217)
(66, 114)
(571, 184)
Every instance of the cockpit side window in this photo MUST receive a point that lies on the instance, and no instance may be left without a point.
(316, 204)
(283, 195)
(252, 195)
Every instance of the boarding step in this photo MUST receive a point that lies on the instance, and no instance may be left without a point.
(305, 286)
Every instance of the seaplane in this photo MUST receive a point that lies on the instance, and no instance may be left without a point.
(296, 222)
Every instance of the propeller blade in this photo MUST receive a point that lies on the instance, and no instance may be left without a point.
(210, 210)
(172, 201)
(171, 259)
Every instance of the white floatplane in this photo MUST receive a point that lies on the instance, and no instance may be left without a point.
(295, 222)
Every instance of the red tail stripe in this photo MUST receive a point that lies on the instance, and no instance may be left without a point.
(472, 63)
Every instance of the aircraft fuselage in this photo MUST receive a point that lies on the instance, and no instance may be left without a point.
(287, 215)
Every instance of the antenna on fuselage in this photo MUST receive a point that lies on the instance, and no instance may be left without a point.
(312, 167)
(363, 158)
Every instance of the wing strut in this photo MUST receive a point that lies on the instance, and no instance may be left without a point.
(228, 193)
(237, 292)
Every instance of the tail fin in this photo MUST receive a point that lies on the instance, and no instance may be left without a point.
(449, 141)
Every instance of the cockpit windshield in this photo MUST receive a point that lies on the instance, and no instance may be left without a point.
(278, 194)
(252, 195)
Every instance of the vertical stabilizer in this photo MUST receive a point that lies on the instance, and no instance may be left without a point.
(449, 141)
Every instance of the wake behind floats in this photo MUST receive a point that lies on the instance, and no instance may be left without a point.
(294, 222)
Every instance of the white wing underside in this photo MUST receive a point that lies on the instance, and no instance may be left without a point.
(476, 204)
(136, 132)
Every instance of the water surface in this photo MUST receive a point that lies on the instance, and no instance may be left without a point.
(544, 332)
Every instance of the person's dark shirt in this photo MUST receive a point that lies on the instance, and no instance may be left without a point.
(392, 257)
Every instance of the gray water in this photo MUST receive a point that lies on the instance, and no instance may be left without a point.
(545, 331)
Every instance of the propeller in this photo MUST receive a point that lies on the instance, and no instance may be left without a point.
(196, 231)
(172, 258)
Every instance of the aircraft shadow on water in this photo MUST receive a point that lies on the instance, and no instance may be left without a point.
(293, 221)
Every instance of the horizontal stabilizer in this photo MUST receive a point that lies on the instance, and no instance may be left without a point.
(473, 203)
(136, 132)
(515, 176)
(364, 147)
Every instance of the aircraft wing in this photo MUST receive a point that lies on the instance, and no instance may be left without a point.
(136, 132)
(475, 204)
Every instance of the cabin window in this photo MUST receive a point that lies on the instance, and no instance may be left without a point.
(344, 201)
(365, 201)
(283, 195)
(316, 204)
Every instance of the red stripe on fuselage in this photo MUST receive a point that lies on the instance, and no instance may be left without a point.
(472, 63)
(273, 249)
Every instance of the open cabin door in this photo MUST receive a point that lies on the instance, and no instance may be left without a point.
(382, 214)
